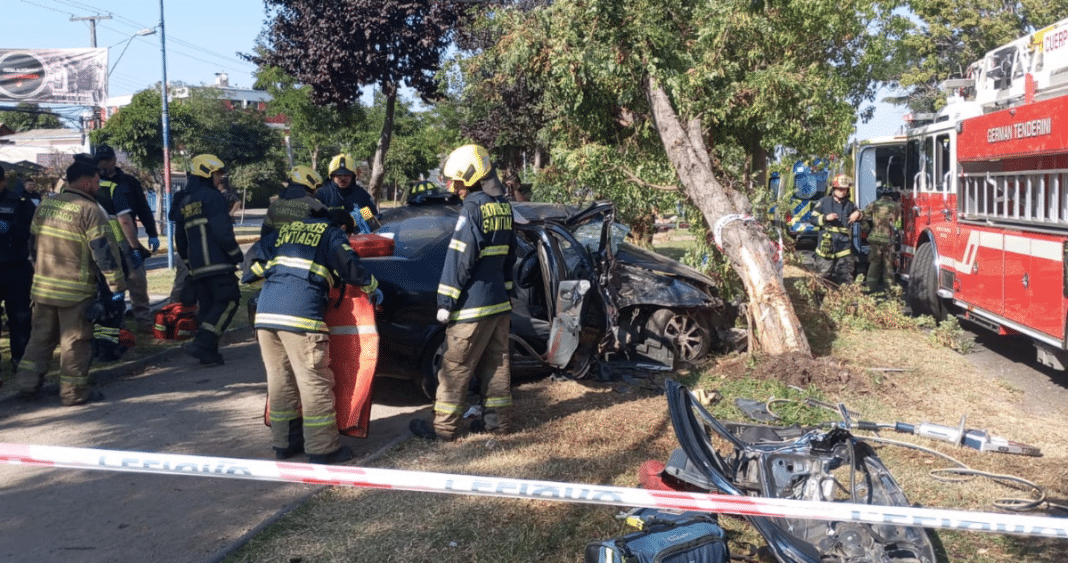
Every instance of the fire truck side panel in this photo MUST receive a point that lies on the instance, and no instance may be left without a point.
(1045, 290)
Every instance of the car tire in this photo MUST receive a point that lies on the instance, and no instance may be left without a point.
(922, 291)
(686, 333)
(431, 363)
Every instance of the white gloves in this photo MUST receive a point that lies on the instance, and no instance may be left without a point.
(443, 316)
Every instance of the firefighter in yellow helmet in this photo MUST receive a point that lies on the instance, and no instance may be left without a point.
(345, 193)
(834, 216)
(296, 202)
(204, 238)
(473, 299)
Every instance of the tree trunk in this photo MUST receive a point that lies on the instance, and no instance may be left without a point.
(378, 165)
(746, 246)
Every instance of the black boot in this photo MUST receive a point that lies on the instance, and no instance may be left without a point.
(296, 441)
(340, 455)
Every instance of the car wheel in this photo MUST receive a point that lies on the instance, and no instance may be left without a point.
(431, 364)
(688, 335)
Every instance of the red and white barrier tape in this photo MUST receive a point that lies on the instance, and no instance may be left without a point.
(422, 481)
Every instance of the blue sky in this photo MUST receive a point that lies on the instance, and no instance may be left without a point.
(203, 38)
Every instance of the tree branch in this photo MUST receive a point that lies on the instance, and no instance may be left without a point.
(634, 178)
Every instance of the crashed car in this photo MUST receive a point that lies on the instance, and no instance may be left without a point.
(584, 299)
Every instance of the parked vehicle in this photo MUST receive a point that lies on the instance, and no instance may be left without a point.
(585, 300)
(985, 211)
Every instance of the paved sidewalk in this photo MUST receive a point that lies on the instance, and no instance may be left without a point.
(166, 403)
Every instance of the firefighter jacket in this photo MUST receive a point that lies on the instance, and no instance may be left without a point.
(294, 203)
(16, 214)
(478, 265)
(355, 197)
(113, 198)
(835, 234)
(300, 262)
(203, 234)
(135, 199)
(885, 215)
(73, 246)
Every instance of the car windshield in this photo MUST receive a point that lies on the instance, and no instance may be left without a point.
(589, 234)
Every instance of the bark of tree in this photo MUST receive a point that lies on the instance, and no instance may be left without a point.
(378, 164)
(745, 244)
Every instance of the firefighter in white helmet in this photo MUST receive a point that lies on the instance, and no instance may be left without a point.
(834, 216)
(473, 299)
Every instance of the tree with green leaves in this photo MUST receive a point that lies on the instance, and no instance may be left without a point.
(945, 36)
(339, 46)
(28, 116)
(654, 96)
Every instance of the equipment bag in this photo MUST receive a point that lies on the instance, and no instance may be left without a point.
(664, 536)
(175, 322)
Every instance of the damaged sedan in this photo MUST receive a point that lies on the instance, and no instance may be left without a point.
(585, 300)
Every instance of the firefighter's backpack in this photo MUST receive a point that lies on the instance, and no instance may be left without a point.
(175, 322)
(664, 536)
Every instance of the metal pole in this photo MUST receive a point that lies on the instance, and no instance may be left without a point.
(92, 26)
(166, 142)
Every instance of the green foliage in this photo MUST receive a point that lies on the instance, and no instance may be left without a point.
(708, 259)
(28, 116)
(944, 36)
(949, 333)
(850, 308)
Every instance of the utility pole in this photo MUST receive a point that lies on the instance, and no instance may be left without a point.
(92, 26)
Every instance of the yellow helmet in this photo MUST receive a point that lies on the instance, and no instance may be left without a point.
(204, 164)
(467, 165)
(306, 177)
(423, 187)
(842, 181)
(342, 164)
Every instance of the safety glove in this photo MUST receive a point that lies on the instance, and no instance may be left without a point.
(153, 244)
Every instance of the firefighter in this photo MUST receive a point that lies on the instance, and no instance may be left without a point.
(344, 192)
(420, 188)
(16, 214)
(300, 261)
(297, 200)
(130, 204)
(73, 246)
(833, 215)
(204, 238)
(885, 215)
(473, 299)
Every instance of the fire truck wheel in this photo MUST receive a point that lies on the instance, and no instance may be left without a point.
(922, 293)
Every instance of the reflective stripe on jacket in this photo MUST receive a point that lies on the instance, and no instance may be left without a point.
(478, 265)
(204, 235)
(73, 244)
(300, 263)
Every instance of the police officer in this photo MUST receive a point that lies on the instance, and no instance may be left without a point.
(473, 299)
(885, 214)
(73, 247)
(16, 214)
(300, 261)
(123, 198)
(833, 215)
(204, 238)
(345, 193)
(296, 201)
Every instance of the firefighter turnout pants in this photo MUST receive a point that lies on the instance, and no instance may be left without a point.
(137, 285)
(478, 348)
(838, 270)
(67, 327)
(300, 382)
(880, 267)
(15, 294)
(218, 297)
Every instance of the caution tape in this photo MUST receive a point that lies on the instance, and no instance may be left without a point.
(429, 482)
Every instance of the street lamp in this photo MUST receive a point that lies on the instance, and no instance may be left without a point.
(166, 142)
(142, 33)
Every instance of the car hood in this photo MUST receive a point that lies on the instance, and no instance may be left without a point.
(631, 255)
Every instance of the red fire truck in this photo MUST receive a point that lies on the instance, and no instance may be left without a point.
(984, 188)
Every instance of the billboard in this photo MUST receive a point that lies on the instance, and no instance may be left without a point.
(57, 76)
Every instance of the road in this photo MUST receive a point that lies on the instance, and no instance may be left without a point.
(175, 406)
